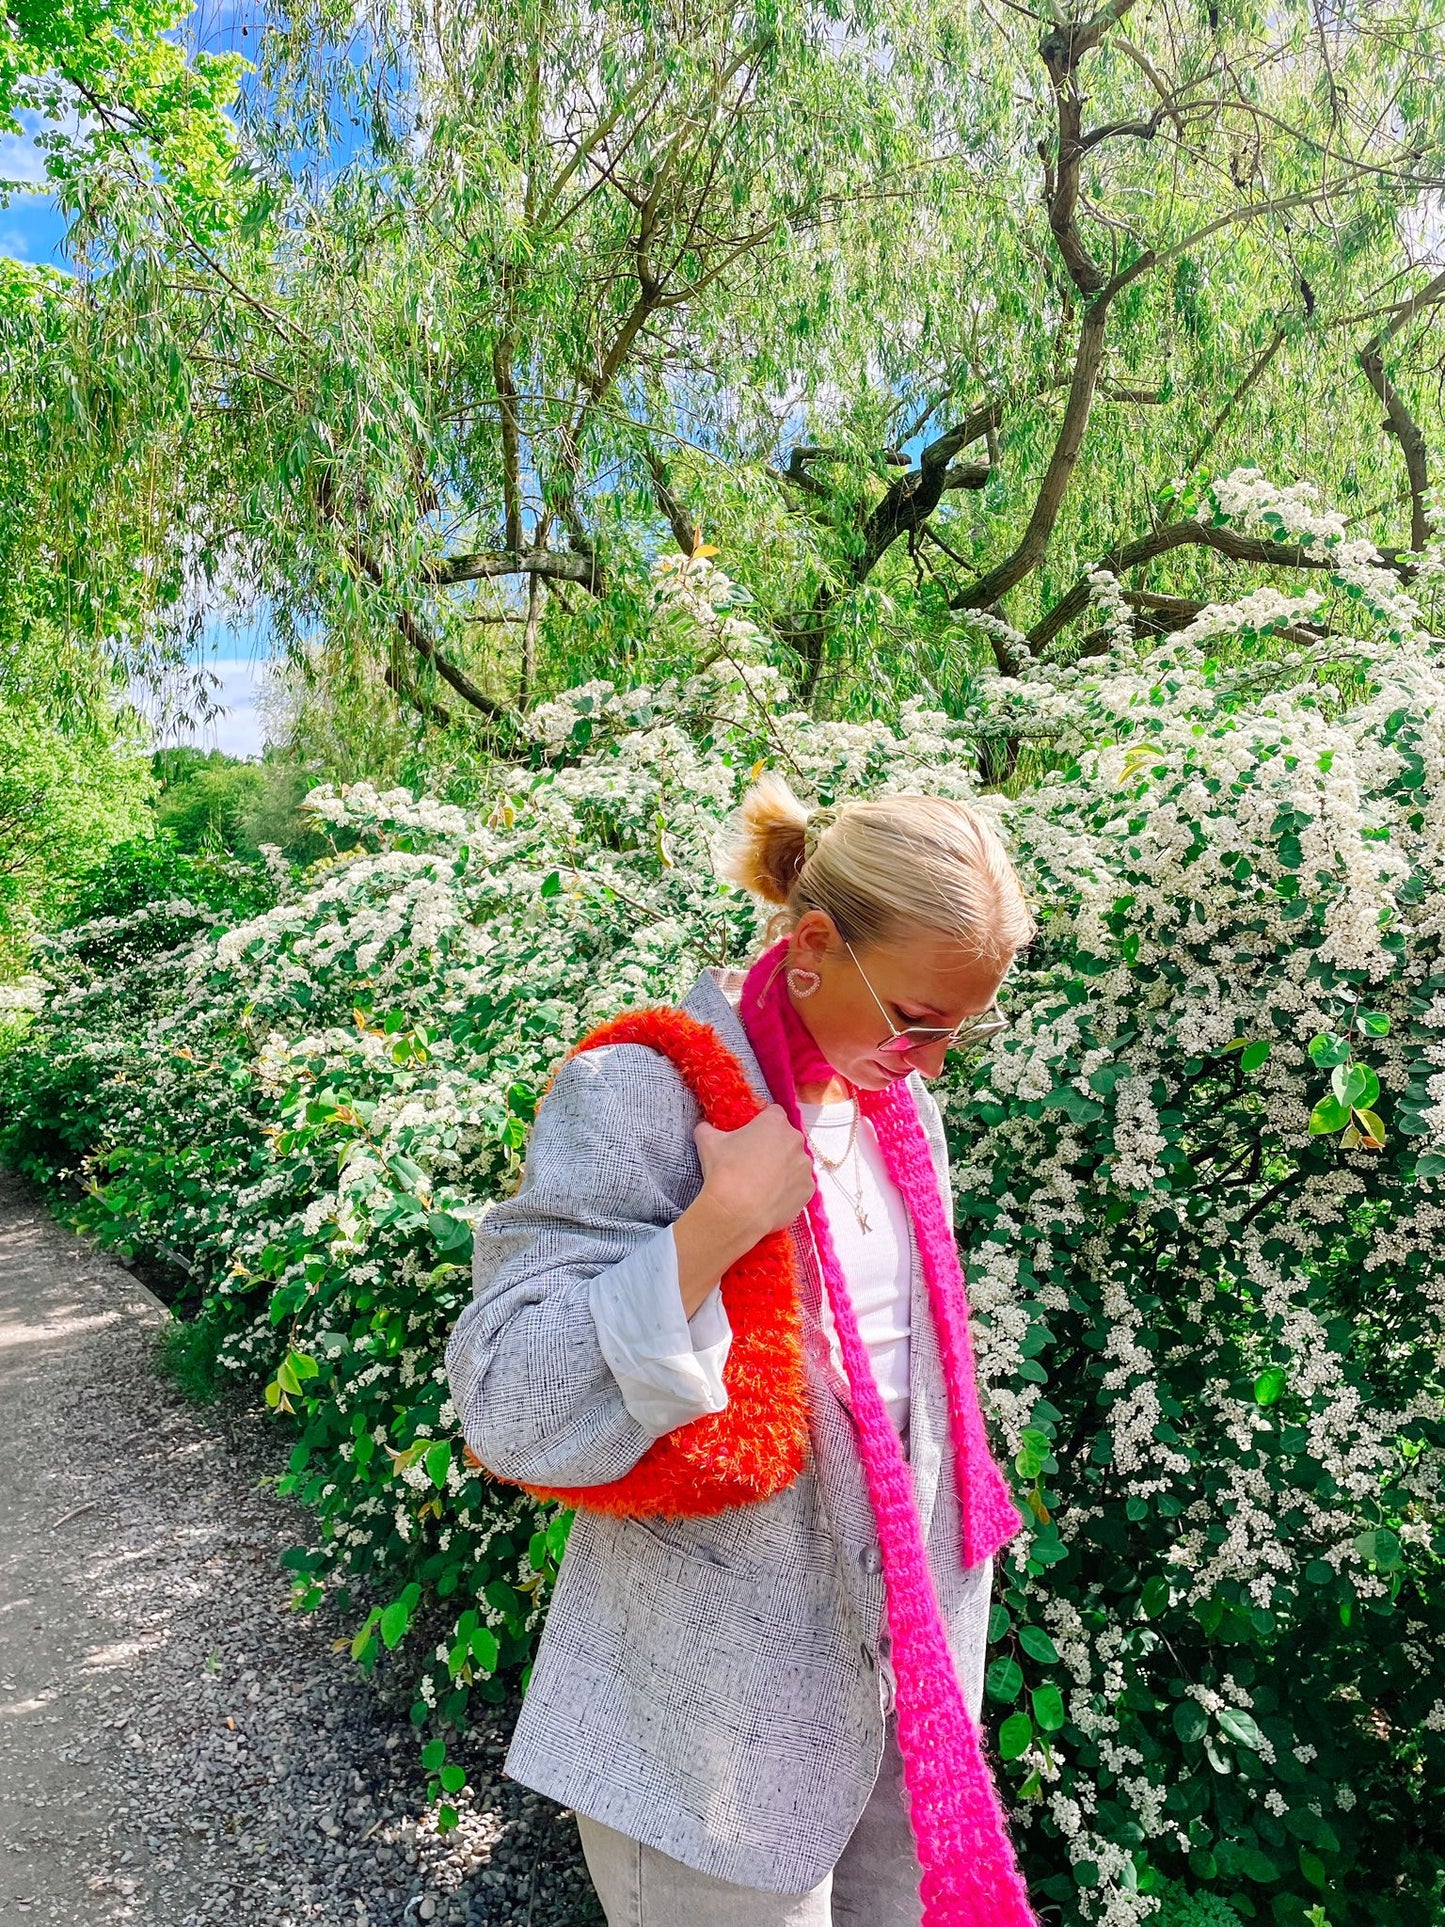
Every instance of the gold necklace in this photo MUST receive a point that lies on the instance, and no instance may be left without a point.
(855, 1202)
(833, 1164)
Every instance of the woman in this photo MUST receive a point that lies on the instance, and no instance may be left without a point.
(715, 1697)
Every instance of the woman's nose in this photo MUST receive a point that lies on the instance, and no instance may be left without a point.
(928, 1059)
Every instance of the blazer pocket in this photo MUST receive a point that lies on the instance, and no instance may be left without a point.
(669, 1536)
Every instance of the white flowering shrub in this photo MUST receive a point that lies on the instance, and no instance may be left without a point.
(1198, 1192)
(97, 985)
(1199, 1188)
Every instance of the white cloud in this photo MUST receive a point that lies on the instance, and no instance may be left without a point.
(21, 160)
(241, 729)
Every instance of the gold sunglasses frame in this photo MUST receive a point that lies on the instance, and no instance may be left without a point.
(973, 1030)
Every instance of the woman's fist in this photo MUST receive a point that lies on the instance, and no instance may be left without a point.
(759, 1176)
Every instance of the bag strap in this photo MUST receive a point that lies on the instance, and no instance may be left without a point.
(708, 1066)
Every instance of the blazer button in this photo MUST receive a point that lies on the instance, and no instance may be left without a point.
(869, 1656)
(871, 1559)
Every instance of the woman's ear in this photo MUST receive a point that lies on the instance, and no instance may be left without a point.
(812, 938)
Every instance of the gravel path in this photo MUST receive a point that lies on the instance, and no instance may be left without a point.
(177, 1747)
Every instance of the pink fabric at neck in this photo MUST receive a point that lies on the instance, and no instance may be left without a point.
(969, 1874)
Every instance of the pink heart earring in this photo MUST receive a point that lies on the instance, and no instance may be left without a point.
(802, 982)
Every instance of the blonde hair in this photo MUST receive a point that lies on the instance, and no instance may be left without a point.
(881, 867)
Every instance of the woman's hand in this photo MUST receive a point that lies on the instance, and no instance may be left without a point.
(754, 1180)
(760, 1176)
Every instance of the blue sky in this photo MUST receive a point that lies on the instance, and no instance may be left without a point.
(240, 730)
(32, 229)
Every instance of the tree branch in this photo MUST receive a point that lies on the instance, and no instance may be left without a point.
(1183, 535)
(511, 442)
(1256, 372)
(904, 508)
(684, 529)
(431, 712)
(1399, 422)
(1026, 557)
(412, 633)
(554, 564)
(1061, 49)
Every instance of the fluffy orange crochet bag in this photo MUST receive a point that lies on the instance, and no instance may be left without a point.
(755, 1447)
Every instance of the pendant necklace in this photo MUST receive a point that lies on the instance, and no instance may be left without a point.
(832, 1166)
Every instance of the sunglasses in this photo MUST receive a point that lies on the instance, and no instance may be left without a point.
(964, 1036)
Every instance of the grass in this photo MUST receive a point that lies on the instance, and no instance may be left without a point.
(186, 1354)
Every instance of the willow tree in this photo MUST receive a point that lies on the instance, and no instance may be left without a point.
(129, 127)
(920, 316)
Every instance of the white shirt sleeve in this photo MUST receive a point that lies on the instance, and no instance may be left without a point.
(669, 1367)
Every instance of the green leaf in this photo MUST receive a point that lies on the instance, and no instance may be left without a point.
(1015, 1736)
(1254, 1055)
(363, 1635)
(1032, 1452)
(1313, 1868)
(1004, 1679)
(1355, 1085)
(1037, 1644)
(1241, 1726)
(453, 1778)
(1154, 1599)
(1191, 1722)
(1074, 1104)
(1269, 1385)
(1255, 1865)
(449, 1233)
(448, 1819)
(1048, 1704)
(438, 1462)
(1328, 1116)
(1221, 1762)
(433, 1754)
(1328, 1049)
(395, 1619)
(1374, 1023)
(1370, 1125)
(1381, 1549)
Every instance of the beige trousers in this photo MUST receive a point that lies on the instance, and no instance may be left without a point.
(874, 1884)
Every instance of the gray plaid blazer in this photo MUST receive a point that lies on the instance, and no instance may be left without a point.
(713, 1687)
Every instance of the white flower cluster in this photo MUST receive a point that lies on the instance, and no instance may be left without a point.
(28, 994)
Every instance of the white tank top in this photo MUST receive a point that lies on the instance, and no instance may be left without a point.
(877, 1263)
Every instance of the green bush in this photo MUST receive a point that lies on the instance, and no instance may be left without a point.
(119, 956)
(1198, 1192)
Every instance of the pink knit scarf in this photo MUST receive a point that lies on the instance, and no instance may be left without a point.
(970, 1877)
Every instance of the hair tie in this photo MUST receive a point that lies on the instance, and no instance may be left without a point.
(818, 821)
